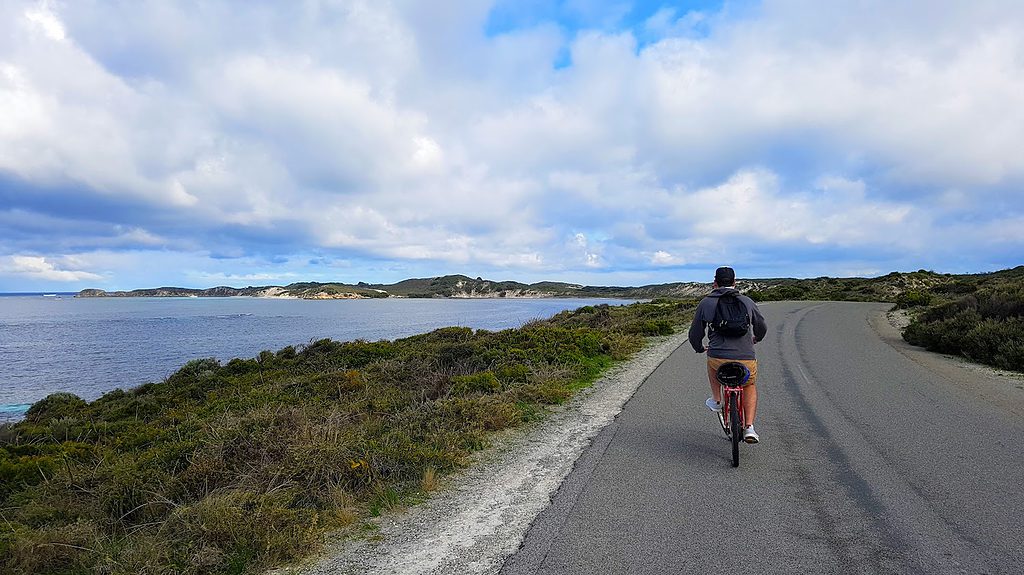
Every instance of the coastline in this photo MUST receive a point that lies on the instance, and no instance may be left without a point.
(155, 320)
(255, 461)
(449, 286)
(326, 296)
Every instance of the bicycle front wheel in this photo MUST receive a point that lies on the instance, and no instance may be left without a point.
(736, 426)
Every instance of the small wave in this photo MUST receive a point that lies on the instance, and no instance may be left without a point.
(13, 412)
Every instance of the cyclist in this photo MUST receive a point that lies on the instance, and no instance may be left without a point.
(722, 348)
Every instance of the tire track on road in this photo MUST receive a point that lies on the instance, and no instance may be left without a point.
(865, 503)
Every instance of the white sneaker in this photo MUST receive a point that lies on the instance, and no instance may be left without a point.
(713, 405)
(749, 435)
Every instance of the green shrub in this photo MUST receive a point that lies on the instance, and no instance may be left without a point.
(483, 382)
(912, 298)
(779, 293)
(986, 326)
(55, 405)
(18, 471)
(650, 327)
(996, 343)
(194, 371)
(514, 373)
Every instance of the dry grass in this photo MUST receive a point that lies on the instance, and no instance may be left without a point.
(429, 481)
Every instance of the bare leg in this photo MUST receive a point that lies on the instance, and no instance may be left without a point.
(716, 388)
(749, 404)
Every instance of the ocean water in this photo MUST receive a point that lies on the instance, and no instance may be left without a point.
(92, 345)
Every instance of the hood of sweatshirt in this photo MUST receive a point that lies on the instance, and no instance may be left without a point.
(722, 291)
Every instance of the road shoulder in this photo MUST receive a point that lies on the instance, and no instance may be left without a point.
(1004, 388)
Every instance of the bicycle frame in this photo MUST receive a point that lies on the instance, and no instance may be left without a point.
(732, 417)
(727, 392)
(726, 409)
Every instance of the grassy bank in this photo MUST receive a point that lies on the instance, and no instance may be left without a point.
(231, 468)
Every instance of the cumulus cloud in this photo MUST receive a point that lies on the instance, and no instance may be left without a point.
(663, 258)
(46, 21)
(36, 267)
(564, 144)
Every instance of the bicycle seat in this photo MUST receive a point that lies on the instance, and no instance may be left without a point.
(732, 374)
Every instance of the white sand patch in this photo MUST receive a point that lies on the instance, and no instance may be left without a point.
(898, 318)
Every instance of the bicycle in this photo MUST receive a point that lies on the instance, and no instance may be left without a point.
(732, 376)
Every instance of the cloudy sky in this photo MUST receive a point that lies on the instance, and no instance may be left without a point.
(201, 143)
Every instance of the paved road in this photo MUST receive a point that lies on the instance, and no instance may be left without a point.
(875, 458)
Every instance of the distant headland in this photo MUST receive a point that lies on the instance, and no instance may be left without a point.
(449, 286)
(882, 288)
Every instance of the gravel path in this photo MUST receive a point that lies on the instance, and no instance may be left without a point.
(480, 516)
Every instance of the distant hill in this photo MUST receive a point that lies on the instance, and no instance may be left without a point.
(883, 288)
(450, 286)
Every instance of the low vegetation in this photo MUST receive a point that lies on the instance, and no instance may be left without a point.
(982, 320)
(234, 467)
(883, 288)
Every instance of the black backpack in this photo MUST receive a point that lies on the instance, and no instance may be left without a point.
(731, 317)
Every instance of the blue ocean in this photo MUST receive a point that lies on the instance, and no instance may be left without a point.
(89, 346)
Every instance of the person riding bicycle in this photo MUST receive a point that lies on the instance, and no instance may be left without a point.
(728, 313)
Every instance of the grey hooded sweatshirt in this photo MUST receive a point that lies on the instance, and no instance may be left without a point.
(726, 347)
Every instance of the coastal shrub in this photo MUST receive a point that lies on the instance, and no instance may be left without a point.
(986, 326)
(649, 327)
(599, 316)
(483, 382)
(350, 354)
(50, 550)
(55, 405)
(513, 373)
(1001, 304)
(958, 287)
(943, 335)
(912, 298)
(781, 293)
(996, 343)
(1010, 354)
(620, 346)
(194, 371)
(22, 471)
(239, 366)
(143, 407)
(337, 384)
(236, 467)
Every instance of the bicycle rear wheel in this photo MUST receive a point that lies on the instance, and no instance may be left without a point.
(736, 427)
